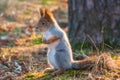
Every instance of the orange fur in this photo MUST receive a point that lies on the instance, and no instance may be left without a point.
(51, 40)
(47, 14)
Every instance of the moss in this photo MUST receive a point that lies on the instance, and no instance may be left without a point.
(34, 75)
(71, 74)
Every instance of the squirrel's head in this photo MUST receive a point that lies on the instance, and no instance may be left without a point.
(45, 21)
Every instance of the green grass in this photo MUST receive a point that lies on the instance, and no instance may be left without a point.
(16, 31)
(3, 33)
(86, 47)
(70, 74)
(37, 40)
(9, 18)
(83, 51)
(45, 2)
(113, 45)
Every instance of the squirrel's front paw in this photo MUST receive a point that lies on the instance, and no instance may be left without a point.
(45, 41)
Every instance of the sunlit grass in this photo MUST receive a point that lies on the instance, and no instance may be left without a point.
(79, 48)
(34, 75)
(47, 76)
(37, 40)
(45, 2)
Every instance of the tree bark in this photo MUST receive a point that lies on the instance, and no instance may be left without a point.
(94, 20)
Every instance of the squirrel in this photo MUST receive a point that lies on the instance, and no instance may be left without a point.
(59, 53)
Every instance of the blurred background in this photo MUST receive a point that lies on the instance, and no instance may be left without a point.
(18, 17)
(95, 22)
(94, 27)
(21, 49)
(91, 23)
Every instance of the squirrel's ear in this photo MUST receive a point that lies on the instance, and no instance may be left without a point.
(42, 12)
(49, 15)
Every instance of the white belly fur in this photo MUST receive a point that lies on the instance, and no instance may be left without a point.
(47, 35)
(51, 54)
(51, 50)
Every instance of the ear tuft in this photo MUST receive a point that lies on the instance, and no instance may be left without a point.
(42, 12)
(47, 14)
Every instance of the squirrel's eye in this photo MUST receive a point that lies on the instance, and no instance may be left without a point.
(43, 23)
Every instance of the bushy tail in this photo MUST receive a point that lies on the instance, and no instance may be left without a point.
(87, 63)
(104, 61)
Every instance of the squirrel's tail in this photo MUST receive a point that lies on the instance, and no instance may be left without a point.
(103, 61)
(87, 63)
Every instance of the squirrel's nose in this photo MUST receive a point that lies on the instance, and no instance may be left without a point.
(37, 27)
(46, 49)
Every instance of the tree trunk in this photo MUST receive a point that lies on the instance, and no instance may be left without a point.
(94, 20)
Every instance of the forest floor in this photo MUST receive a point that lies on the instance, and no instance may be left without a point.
(22, 54)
